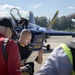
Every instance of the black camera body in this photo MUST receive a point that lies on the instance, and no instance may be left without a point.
(27, 68)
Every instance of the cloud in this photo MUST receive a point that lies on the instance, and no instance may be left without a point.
(6, 6)
(2, 14)
(5, 10)
(36, 6)
(71, 7)
(24, 13)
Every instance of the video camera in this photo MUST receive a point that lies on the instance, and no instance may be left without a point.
(26, 69)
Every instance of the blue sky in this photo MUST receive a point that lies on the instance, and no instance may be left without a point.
(39, 7)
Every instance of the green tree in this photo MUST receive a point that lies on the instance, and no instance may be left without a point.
(42, 21)
(63, 23)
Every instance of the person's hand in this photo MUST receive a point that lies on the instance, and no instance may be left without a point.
(23, 62)
(40, 52)
(40, 56)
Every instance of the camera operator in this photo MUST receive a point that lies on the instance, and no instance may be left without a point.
(24, 40)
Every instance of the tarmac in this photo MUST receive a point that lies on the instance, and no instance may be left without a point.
(54, 41)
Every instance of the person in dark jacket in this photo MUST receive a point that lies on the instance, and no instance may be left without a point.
(24, 40)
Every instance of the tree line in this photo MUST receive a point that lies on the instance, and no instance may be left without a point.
(61, 23)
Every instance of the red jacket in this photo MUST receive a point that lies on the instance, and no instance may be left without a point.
(12, 67)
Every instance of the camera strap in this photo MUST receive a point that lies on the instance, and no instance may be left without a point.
(4, 49)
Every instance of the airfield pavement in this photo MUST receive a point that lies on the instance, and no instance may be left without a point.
(53, 41)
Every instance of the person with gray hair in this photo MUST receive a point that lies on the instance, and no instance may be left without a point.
(12, 64)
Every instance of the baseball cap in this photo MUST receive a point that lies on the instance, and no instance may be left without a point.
(7, 22)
